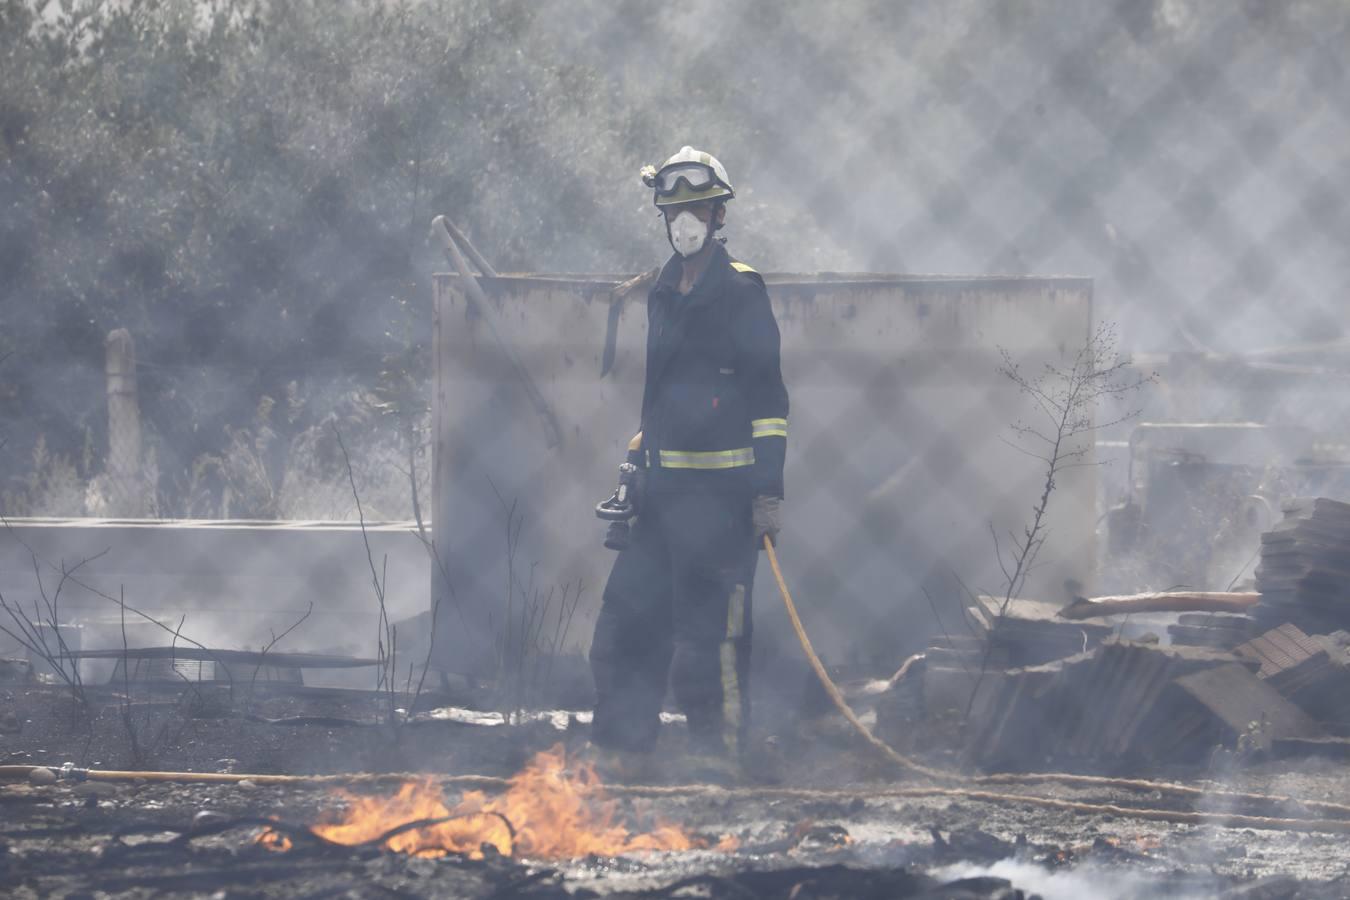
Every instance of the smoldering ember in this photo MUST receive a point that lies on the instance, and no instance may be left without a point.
(509, 448)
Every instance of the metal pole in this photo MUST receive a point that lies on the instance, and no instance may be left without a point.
(474, 256)
(123, 465)
(552, 433)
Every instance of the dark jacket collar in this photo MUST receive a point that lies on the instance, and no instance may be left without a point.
(706, 290)
(709, 283)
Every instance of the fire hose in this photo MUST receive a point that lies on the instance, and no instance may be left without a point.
(493, 783)
(941, 775)
(833, 691)
(72, 774)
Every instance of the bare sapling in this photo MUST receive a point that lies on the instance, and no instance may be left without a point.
(399, 395)
(1066, 400)
(445, 586)
(267, 648)
(40, 632)
(386, 634)
(142, 752)
(386, 631)
(535, 626)
(128, 723)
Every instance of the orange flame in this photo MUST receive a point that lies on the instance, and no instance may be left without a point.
(555, 814)
(1146, 843)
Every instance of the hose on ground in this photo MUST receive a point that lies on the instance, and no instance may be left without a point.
(25, 773)
(1084, 781)
(491, 783)
(1190, 817)
(833, 691)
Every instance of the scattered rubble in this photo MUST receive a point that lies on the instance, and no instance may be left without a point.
(1231, 708)
(1024, 632)
(1221, 632)
(1084, 687)
(1094, 708)
(1153, 684)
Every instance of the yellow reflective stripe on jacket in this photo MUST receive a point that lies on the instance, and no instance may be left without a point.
(731, 696)
(768, 428)
(731, 683)
(742, 267)
(707, 459)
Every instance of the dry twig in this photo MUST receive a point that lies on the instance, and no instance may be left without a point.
(1059, 436)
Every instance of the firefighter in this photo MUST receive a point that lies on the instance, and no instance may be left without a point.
(710, 452)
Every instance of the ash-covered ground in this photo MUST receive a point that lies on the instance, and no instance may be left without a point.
(142, 838)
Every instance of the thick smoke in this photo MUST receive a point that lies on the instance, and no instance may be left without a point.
(245, 186)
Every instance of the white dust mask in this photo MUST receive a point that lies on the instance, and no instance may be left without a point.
(687, 233)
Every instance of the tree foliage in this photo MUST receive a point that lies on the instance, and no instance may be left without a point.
(246, 187)
(245, 184)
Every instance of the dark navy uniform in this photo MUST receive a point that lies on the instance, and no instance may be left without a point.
(714, 436)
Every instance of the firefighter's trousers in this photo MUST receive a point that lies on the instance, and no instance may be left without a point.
(677, 607)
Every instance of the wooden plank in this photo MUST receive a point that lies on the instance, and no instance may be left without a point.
(1237, 698)
(1277, 649)
(1164, 601)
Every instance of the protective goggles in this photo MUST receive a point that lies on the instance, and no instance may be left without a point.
(696, 177)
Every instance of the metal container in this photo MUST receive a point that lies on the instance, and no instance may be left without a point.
(901, 469)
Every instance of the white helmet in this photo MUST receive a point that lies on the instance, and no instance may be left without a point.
(688, 176)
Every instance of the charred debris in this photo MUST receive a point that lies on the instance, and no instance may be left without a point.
(1104, 686)
(1117, 684)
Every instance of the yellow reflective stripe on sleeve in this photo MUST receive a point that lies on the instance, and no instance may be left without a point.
(742, 267)
(768, 428)
(707, 459)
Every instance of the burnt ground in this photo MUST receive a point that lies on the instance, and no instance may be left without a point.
(145, 839)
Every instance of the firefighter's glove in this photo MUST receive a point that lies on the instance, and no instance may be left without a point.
(767, 514)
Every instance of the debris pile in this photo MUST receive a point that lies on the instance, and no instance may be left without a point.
(1108, 704)
(1040, 686)
(1023, 632)
(1313, 672)
(1222, 632)
(1228, 706)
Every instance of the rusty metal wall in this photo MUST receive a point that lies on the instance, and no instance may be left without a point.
(898, 455)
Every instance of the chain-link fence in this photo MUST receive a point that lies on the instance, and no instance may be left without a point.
(1188, 157)
(904, 481)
